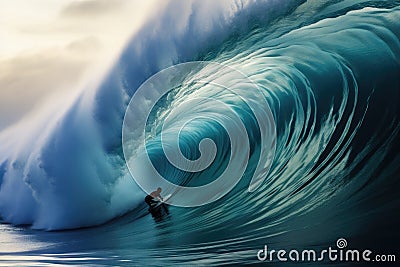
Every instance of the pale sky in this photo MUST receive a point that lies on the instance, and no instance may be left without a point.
(53, 46)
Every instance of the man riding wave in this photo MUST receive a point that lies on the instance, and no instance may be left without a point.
(154, 198)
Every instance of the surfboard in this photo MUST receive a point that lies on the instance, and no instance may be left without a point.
(166, 197)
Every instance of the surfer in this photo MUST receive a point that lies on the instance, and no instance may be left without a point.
(154, 197)
(157, 208)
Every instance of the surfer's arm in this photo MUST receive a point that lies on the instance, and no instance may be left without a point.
(156, 195)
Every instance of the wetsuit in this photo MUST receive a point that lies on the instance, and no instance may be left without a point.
(150, 201)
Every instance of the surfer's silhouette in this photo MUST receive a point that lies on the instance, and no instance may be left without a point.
(156, 207)
(154, 197)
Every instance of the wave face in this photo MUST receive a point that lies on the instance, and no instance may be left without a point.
(331, 75)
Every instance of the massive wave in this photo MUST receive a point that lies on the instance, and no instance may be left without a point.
(331, 75)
